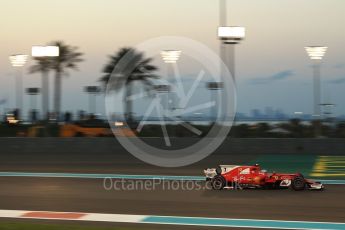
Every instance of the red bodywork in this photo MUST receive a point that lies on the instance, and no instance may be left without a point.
(253, 177)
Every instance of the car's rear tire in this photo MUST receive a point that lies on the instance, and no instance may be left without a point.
(218, 182)
(298, 183)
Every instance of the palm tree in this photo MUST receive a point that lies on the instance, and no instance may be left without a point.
(68, 58)
(43, 65)
(131, 66)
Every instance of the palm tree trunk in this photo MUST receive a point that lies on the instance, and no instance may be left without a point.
(57, 94)
(128, 103)
(45, 95)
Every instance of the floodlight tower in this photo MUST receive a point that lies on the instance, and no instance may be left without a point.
(42, 54)
(171, 57)
(33, 92)
(92, 91)
(214, 86)
(316, 54)
(229, 36)
(19, 60)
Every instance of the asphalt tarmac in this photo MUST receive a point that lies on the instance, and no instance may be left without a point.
(107, 225)
(121, 162)
(91, 195)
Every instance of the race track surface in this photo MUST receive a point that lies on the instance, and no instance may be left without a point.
(122, 162)
(89, 195)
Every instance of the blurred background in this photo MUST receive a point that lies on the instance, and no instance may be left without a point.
(274, 74)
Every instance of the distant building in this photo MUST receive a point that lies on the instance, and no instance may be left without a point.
(256, 114)
(269, 113)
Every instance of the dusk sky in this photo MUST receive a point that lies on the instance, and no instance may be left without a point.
(273, 68)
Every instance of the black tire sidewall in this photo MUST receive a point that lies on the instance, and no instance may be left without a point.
(218, 179)
(298, 183)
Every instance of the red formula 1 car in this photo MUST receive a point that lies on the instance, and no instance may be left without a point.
(239, 177)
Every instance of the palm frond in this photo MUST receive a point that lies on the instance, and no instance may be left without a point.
(130, 65)
(68, 58)
(43, 64)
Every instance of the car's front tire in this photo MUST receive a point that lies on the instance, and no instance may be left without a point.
(218, 182)
(298, 183)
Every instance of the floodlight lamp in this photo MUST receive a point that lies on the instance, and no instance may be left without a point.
(231, 33)
(45, 51)
(171, 56)
(18, 60)
(316, 52)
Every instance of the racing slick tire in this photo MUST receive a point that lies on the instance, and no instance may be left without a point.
(218, 182)
(298, 183)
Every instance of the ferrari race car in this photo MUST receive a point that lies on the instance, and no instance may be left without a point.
(240, 177)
